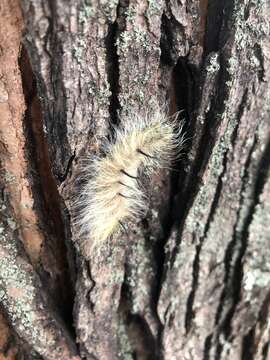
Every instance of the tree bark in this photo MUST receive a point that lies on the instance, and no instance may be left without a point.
(190, 280)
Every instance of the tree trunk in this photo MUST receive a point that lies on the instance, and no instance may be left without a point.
(190, 280)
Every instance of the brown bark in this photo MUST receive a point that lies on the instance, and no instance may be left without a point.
(189, 281)
(25, 304)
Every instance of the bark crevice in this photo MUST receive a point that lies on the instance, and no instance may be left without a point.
(112, 64)
(46, 197)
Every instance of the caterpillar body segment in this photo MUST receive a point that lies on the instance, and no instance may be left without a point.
(112, 192)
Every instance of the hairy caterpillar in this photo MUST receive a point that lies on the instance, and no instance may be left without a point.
(112, 193)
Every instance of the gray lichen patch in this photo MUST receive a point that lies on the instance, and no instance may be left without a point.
(256, 278)
(20, 293)
(86, 12)
(139, 277)
(125, 349)
(109, 9)
(214, 64)
(105, 12)
(79, 49)
(19, 290)
(131, 13)
(154, 8)
(251, 26)
(256, 263)
(138, 38)
(8, 176)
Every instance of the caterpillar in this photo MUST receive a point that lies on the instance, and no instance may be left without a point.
(112, 192)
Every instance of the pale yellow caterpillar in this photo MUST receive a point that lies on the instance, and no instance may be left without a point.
(112, 193)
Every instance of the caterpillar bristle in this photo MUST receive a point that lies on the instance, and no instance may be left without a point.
(112, 192)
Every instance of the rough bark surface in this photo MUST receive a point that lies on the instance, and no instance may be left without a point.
(189, 281)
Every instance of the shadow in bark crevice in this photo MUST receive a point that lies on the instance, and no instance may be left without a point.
(248, 340)
(47, 201)
(190, 183)
(141, 340)
(234, 274)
